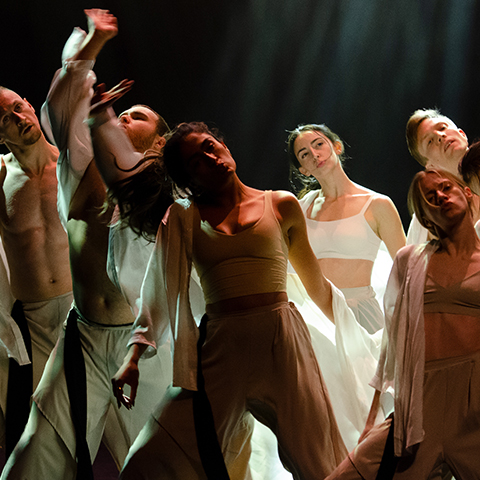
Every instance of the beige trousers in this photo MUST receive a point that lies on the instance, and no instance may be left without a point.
(260, 361)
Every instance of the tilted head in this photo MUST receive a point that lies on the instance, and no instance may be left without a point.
(434, 140)
(19, 126)
(439, 199)
(196, 158)
(145, 127)
(308, 148)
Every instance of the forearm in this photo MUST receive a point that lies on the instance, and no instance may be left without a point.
(70, 91)
(114, 153)
(135, 352)
(92, 45)
(374, 409)
(322, 296)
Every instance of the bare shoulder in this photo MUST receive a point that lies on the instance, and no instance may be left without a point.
(283, 197)
(382, 206)
(285, 201)
(287, 207)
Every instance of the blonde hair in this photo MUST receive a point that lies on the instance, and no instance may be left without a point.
(411, 131)
(417, 201)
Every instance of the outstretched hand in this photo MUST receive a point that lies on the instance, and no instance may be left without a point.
(103, 99)
(101, 23)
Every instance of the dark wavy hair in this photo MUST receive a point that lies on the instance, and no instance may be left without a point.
(173, 159)
(307, 183)
(144, 197)
(469, 167)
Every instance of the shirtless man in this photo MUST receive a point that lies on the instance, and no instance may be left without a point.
(73, 404)
(36, 249)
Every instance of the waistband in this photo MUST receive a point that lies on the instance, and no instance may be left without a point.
(359, 292)
(251, 311)
(452, 361)
(39, 303)
(91, 324)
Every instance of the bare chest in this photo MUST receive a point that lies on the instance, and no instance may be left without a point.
(28, 202)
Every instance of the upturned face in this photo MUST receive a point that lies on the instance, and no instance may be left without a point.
(441, 142)
(19, 126)
(315, 152)
(140, 125)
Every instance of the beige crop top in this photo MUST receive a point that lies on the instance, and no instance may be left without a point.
(249, 262)
(462, 298)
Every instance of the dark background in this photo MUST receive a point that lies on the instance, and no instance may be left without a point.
(256, 68)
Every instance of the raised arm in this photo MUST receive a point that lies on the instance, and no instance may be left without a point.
(69, 96)
(102, 26)
(300, 252)
(114, 153)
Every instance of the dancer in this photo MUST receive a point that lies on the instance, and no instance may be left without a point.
(434, 141)
(58, 442)
(431, 349)
(131, 179)
(257, 355)
(36, 249)
(346, 222)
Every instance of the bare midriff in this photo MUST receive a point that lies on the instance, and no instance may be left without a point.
(450, 335)
(346, 272)
(39, 266)
(246, 302)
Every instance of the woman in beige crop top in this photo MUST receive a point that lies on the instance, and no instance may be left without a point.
(257, 355)
(432, 356)
(316, 155)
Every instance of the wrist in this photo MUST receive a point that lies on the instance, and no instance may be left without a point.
(135, 352)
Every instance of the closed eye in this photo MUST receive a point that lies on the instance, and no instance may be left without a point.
(138, 116)
(209, 147)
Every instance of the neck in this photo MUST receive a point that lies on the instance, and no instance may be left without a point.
(451, 166)
(461, 238)
(336, 184)
(229, 194)
(34, 158)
